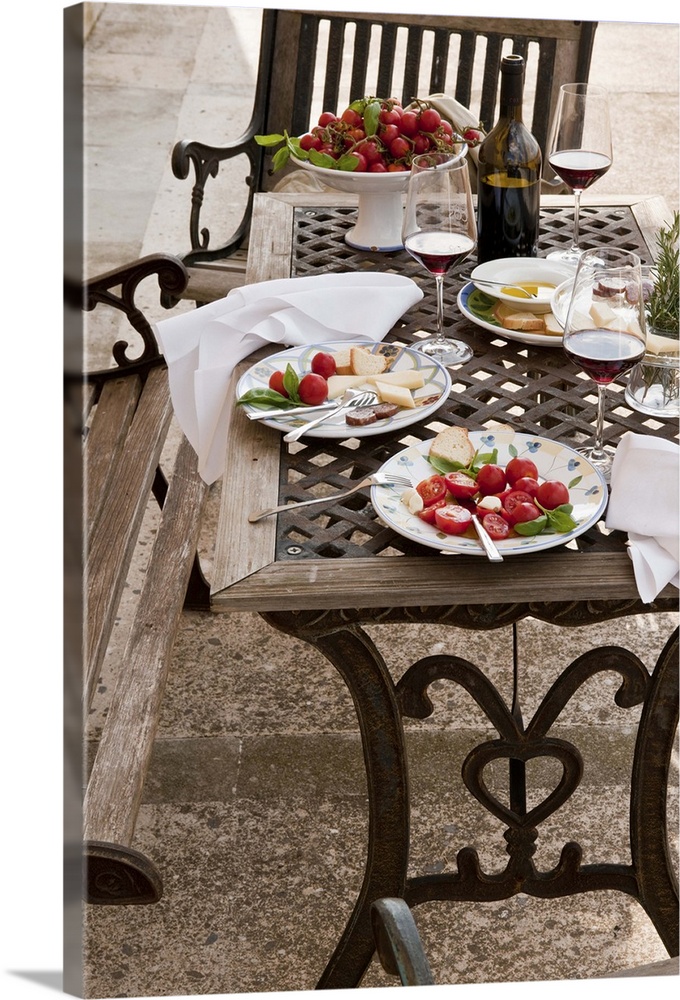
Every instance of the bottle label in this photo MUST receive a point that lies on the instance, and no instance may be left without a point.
(508, 216)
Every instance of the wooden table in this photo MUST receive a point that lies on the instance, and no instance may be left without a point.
(322, 573)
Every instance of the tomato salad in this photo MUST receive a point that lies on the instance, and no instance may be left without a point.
(508, 500)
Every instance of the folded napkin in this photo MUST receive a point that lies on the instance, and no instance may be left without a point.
(645, 502)
(202, 347)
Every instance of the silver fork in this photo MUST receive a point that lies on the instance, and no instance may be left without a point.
(351, 399)
(377, 479)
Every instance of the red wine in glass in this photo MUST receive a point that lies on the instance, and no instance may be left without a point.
(579, 168)
(438, 251)
(604, 355)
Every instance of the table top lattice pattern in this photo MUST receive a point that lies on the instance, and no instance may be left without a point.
(532, 389)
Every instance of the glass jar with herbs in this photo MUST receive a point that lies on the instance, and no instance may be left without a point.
(654, 384)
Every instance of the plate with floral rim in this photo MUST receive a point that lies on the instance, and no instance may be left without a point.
(587, 491)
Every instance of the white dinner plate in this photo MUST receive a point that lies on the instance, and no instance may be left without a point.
(587, 491)
(478, 308)
(437, 385)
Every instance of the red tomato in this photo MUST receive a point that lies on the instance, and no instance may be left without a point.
(491, 479)
(310, 141)
(389, 133)
(324, 364)
(326, 117)
(378, 167)
(523, 512)
(528, 485)
(460, 485)
(497, 527)
(432, 490)
(472, 136)
(276, 383)
(517, 468)
(400, 147)
(452, 519)
(427, 514)
(409, 123)
(429, 120)
(514, 498)
(362, 162)
(313, 389)
(352, 117)
(552, 493)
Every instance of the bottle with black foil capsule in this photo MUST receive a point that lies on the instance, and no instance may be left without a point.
(509, 177)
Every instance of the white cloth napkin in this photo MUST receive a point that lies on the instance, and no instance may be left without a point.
(645, 502)
(202, 347)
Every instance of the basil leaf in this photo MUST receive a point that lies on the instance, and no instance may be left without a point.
(347, 163)
(265, 399)
(269, 140)
(280, 158)
(561, 521)
(371, 117)
(291, 383)
(322, 159)
(534, 527)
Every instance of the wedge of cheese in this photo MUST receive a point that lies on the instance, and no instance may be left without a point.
(397, 394)
(410, 379)
(337, 384)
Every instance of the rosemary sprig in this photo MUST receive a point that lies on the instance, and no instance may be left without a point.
(663, 306)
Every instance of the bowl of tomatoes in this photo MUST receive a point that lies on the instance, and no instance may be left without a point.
(367, 151)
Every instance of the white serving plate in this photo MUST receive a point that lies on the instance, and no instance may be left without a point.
(587, 491)
(437, 383)
(470, 301)
(522, 270)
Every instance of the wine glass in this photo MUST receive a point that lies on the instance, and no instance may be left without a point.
(440, 231)
(579, 146)
(604, 331)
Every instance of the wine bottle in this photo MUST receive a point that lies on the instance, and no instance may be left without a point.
(509, 176)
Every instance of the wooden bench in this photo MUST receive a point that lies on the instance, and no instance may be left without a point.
(301, 51)
(127, 414)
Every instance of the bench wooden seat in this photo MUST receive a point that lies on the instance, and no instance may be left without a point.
(127, 417)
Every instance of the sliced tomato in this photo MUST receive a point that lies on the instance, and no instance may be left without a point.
(460, 485)
(515, 497)
(431, 490)
(453, 519)
(497, 527)
(427, 514)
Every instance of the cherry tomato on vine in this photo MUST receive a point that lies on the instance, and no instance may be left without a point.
(429, 120)
(326, 118)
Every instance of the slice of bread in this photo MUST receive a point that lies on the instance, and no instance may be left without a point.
(362, 362)
(453, 444)
(552, 327)
(342, 362)
(515, 319)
